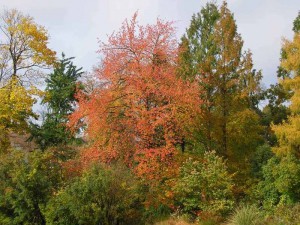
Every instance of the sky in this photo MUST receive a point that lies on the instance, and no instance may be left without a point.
(75, 26)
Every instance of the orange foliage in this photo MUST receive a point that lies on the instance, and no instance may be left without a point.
(141, 111)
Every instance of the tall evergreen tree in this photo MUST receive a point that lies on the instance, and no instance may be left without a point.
(60, 101)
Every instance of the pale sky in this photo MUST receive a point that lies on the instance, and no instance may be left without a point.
(75, 25)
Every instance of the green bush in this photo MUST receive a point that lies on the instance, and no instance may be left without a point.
(260, 158)
(281, 182)
(285, 215)
(102, 195)
(27, 181)
(246, 215)
(204, 187)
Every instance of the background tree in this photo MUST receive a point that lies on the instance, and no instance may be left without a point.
(287, 133)
(296, 24)
(277, 111)
(23, 47)
(280, 183)
(61, 88)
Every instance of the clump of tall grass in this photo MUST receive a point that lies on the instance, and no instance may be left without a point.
(246, 215)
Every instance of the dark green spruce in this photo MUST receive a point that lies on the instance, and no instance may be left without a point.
(60, 101)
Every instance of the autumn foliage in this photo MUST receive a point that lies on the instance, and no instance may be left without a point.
(141, 111)
(162, 130)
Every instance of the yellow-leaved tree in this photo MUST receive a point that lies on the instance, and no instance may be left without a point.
(288, 133)
(15, 109)
(24, 53)
(23, 47)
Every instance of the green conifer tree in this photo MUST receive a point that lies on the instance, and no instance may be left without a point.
(60, 101)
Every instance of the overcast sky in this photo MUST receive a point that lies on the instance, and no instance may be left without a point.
(75, 25)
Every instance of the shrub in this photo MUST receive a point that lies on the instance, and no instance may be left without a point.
(27, 181)
(260, 158)
(102, 195)
(285, 215)
(204, 187)
(281, 182)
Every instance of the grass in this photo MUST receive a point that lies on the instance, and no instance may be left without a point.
(246, 215)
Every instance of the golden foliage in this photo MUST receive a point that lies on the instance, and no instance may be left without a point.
(288, 133)
(292, 50)
(23, 46)
(15, 109)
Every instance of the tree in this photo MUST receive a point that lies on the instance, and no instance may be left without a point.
(280, 183)
(196, 62)
(23, 47)
(236, 82)
(60, 99)
(296, 24)
(140, 113)
(288, 132)
(277, 111)
(211, 53)
(15, 110)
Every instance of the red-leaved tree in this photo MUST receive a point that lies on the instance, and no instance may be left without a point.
(141, 111)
